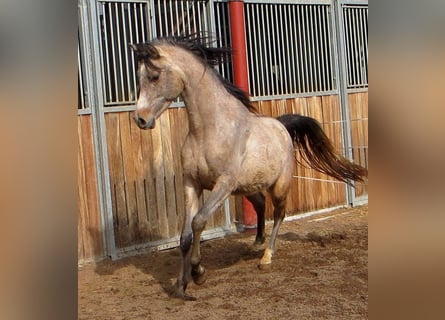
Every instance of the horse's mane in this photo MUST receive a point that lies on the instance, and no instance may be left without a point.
(201, 47)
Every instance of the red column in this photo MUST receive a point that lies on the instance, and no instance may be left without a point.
(236, 9)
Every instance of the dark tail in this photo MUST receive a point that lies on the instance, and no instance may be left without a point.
(317, 150)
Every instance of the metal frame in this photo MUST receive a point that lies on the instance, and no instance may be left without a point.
(89, 37)
(342, 69)
(292, 33)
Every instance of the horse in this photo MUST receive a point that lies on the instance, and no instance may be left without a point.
(230, 148)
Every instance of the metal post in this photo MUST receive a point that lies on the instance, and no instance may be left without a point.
(237, 29)
(96, 103)
(342, 87)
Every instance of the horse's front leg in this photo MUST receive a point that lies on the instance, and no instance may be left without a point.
(192, 192)
(220, 192)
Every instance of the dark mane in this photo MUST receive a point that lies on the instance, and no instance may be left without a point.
(201, 47)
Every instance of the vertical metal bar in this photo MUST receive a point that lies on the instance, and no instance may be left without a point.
(138, 39)
(99, 131)
(262, 87)
(218, 30)
(339, 43)
(355, 47)
(273, 52)
(167, 32)
(172, 26)
(119, 43)
(351, 46)
(259, 54)
(160, 22)
(194, 17)
(267, 66)
(206, 20)
(107, 54)
(305, 53)
(200, 22)
(298, 48)
(365, 35)
(317, 49)
(251, 63)
(331, 36)
(363, 62)
(133, 67)
(293, 43)
(312, 51)
(125, 48)
(113, 52)
(181, 17)
(189, 31)
(221, 32)
(290, 68)
(184, 18)
(80, 78)
(143, 22)
(276, 49)
(178, 19)
(359, 47)
(348, 42)
(283, 45)
(325, 35)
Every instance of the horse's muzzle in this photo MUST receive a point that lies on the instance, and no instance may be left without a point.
(145, 124)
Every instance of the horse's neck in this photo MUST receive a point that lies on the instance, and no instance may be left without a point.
(203, 96)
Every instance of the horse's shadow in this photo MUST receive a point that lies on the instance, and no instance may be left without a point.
(164, 266)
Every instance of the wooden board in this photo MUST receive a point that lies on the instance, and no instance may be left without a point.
(358, 107)
(90, 244)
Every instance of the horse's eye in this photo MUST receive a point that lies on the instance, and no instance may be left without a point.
(154, 78)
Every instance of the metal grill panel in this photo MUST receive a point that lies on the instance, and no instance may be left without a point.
(356, 38)
(121, 23)
(289, 48)
(222, 30)
(135, 22)
(176, 18)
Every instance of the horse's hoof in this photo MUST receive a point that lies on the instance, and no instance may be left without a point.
(179, 297)
(199, 276)
(265, 267)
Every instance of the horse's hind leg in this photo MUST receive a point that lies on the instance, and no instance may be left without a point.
(258, 201)
(279, 194)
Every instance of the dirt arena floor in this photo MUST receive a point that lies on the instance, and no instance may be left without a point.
(320, 271)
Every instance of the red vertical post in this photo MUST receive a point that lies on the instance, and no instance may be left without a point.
(237, 28)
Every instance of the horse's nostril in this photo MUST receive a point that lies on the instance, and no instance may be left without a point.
(141, 122)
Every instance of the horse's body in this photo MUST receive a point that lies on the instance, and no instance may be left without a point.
(229, 149)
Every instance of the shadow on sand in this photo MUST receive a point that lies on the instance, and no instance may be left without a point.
(164, 266)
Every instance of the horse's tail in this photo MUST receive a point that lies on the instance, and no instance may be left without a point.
(317, 150)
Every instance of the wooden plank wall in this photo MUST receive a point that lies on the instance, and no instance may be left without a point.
(146, 178)
(358, 108)
(90, 246)
(308, 194)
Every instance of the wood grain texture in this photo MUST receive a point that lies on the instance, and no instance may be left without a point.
(89, 228)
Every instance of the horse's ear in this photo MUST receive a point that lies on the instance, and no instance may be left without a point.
(133, 47)
(150, 51)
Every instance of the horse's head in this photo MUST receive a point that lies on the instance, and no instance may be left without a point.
(159, 84)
